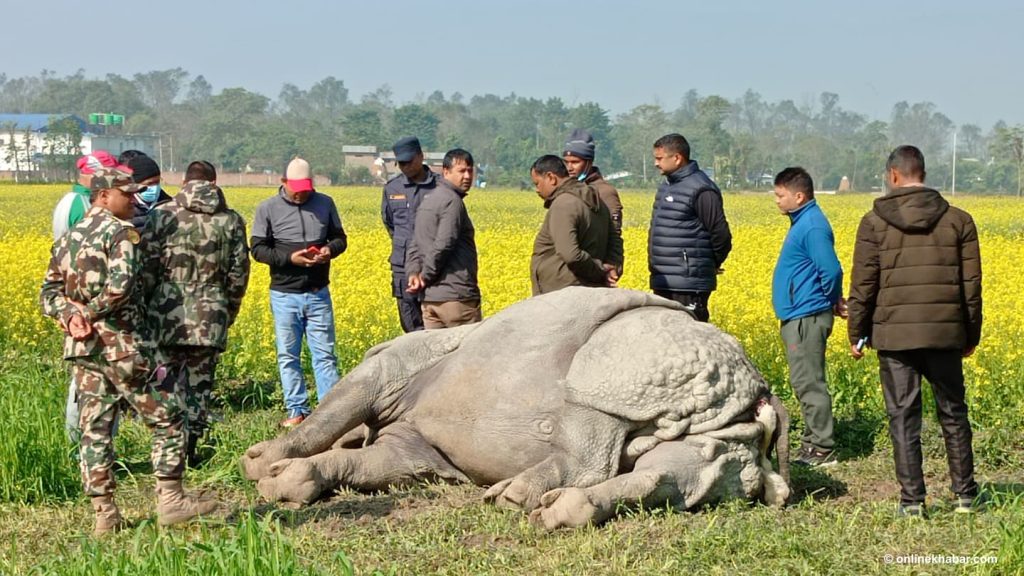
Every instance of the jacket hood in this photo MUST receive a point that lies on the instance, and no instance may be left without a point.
(594, 175)
(581, 190)
(913, 209)
(201, 196)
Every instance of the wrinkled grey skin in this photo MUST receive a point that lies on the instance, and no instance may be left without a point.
(566, 404)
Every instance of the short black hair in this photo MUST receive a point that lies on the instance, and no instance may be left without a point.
(127, 156)
(550, 164)
(457, 155)
(796, 179)
(908, 161)
(674, 143)
(200, 170)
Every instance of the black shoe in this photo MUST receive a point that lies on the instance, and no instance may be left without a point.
(814, 458)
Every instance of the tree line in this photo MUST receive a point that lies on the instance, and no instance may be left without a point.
(744, 140)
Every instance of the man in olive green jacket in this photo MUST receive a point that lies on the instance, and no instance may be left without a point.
(578, 244)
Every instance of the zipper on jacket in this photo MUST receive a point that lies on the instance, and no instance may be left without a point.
(686, 261)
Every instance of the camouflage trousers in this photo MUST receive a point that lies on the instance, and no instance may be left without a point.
(196, 388)
(149, 390)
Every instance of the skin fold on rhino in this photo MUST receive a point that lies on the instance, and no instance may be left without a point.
(568, 405)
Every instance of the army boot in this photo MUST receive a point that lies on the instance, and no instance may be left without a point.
(174, 507)
(108, 517)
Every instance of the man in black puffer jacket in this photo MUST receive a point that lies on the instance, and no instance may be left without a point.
(689, 237)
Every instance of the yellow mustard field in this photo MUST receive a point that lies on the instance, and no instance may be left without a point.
(506, 222)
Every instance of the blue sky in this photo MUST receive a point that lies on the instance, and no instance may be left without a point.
(966, 57)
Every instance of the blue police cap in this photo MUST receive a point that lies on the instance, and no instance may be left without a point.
(407, 148)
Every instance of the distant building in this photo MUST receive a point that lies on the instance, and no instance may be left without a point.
(24, 145)
(23, 141)
(382, 164)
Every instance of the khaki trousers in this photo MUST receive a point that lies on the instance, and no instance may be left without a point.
(450, 314)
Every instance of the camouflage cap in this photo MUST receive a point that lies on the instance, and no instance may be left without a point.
(119, 177)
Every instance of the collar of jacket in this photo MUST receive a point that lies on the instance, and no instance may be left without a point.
(444, 182)
(79, 189)
(430, 177)
(796, 214)
(565, 186)
(690, 168)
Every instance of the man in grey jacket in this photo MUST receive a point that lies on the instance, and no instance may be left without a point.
(297, 232)
(441, 261)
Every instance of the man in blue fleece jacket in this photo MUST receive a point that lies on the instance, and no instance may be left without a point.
(806, 291)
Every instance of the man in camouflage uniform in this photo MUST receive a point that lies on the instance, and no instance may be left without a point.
(199, 259)
(91, 288)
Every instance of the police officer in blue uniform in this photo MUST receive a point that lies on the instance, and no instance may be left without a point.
(402, 195)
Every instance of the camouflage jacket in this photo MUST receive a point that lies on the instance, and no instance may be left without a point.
(197, 268)
(97, 264)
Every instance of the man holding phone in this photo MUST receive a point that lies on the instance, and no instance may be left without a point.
(297, 233)
(915, 292)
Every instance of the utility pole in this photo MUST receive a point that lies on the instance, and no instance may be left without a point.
(953, 193)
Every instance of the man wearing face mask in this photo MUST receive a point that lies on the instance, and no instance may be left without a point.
(579, 159)
(145, 172)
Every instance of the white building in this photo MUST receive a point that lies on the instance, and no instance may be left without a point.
(23, 142)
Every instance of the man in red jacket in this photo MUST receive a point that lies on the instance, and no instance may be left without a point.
(915, 296)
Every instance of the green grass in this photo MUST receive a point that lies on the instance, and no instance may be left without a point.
(841, 522)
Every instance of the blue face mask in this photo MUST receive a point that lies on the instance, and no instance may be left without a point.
(150, 193)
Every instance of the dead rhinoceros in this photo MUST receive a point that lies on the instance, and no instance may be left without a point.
(567, 405)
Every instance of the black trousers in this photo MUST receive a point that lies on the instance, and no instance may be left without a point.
(901, 374)
(696, 303)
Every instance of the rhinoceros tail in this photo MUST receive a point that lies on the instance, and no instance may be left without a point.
(774, 419)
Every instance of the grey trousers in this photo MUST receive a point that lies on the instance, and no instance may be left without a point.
(805, 339)
(901, 386)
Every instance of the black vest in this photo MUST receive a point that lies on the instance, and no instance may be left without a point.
(679, 252)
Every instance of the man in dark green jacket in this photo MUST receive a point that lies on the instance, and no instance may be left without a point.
(578, 244)
(915, 296)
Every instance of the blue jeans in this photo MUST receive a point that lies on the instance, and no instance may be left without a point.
(312, 314)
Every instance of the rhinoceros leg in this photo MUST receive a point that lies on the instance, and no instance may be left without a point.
(372, 391)
(586, 452)
(343, 410)
(685, 473)
(398, 457)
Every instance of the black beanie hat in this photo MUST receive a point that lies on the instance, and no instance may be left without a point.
(143, 167)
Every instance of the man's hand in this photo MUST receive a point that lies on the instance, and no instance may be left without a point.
(79, 328)
(303, 258)
(611, 275)
(855, 352)
(969, 351)
(841, 309)
(323, 256)
(415, 283)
